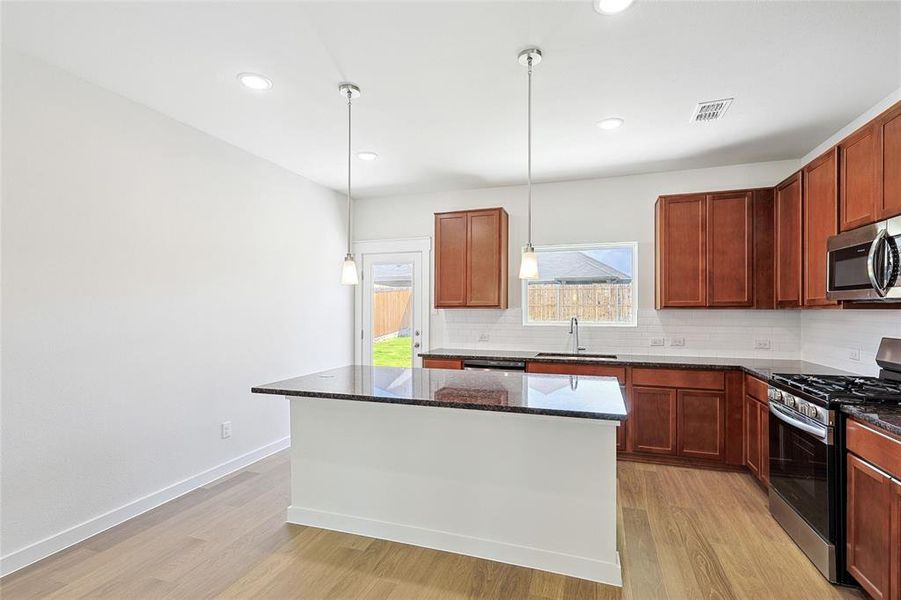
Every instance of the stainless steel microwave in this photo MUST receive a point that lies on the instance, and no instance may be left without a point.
(862, 264)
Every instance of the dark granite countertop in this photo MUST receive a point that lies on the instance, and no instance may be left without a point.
(517, 392)
(886, 416)
(759, 367)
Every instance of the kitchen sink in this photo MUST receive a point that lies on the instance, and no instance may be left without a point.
(576, 356)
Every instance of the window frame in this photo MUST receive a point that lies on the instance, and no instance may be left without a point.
(524, 289)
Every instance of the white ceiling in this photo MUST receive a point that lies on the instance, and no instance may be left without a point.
(444, 97)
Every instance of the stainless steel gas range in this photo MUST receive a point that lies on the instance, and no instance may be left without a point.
(807, 453)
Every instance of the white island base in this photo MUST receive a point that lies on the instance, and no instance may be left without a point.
(531, 490)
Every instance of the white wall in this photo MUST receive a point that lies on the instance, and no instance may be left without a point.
(616, 209)
(151, 275)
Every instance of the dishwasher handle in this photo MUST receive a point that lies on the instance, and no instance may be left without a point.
(494, 365)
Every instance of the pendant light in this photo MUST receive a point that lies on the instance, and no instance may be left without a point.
(528, 266)
(349, 270)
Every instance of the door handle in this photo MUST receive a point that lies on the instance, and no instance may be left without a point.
(871, 263)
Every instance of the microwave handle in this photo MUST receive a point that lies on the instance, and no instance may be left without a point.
(878, 242)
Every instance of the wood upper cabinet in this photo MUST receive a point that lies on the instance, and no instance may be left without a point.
(715, 250)
(860, 176)
(471, 259)
(788, 242)
(653, 420)
(890, 203)
(681, 223)
(730, 249)
(869, 505)
(701, 421)
(820, 213)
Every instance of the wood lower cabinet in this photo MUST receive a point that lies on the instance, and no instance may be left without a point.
(860, 176)
(869, 539)
(757, 439)
(700, 424)
(653, 420)
(471, 259)
(442, 363)
(820, 222)
(681, 223)
(873, 506)
(788, 242)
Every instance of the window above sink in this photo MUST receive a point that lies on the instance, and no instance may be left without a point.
(597, 283)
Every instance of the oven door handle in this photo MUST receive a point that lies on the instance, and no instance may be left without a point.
(822, 433)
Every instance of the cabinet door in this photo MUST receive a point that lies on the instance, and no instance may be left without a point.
(895, 537)
(869, 509)
(890, 204)
(859, 177)
(653, 420)
(486, 274)
(788, 242)
(701, 426)
(820, 222)
(450, 260)
(765, 444)
(752, 436)
(682, 251)
(730, 249)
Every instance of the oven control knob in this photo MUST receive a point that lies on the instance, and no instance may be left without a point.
(810, 411)
(775, 395)
(789, 400)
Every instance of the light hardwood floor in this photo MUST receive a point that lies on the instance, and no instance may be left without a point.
(684, 533)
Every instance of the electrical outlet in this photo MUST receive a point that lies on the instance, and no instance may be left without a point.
(761, 344)
(656, 341)
(226, 429)
(854, 354)
(483, 337)
(677, 341)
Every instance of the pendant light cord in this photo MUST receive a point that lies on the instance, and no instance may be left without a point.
(529, 129)
(349, 93)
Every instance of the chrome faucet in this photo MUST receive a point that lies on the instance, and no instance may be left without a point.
(574, 331)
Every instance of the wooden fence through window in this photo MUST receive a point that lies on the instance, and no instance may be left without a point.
(610, 302)
(391, 311)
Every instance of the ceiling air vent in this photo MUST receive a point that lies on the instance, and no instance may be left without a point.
(710, 111)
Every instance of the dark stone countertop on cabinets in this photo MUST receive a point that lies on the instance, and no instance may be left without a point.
(758, 367)
(516, 392)
(885, 416)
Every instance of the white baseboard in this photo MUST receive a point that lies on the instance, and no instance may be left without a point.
(62, 540)
(536, 558)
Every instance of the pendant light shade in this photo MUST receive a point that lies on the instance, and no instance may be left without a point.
(528, 267)
(349, 270)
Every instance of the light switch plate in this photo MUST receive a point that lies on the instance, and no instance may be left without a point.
(762, 344)
(677, 341)
(854, 354)
(657, 341)
(483, 337)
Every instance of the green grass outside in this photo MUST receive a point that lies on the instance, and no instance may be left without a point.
(393, 352)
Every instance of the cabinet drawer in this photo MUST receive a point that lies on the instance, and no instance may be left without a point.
(756, 388)
(441, 363)
(679, 378)
(578, 369)
(878, 447)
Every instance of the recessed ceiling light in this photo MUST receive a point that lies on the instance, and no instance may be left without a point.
(611, 7)
(367, 155)
(255, 81)
(611, 123)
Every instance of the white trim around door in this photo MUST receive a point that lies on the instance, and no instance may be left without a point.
(372, 248)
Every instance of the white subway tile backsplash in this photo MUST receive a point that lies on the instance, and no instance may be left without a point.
(706, 333)
(829, 336)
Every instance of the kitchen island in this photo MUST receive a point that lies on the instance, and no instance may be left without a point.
(508, 466)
